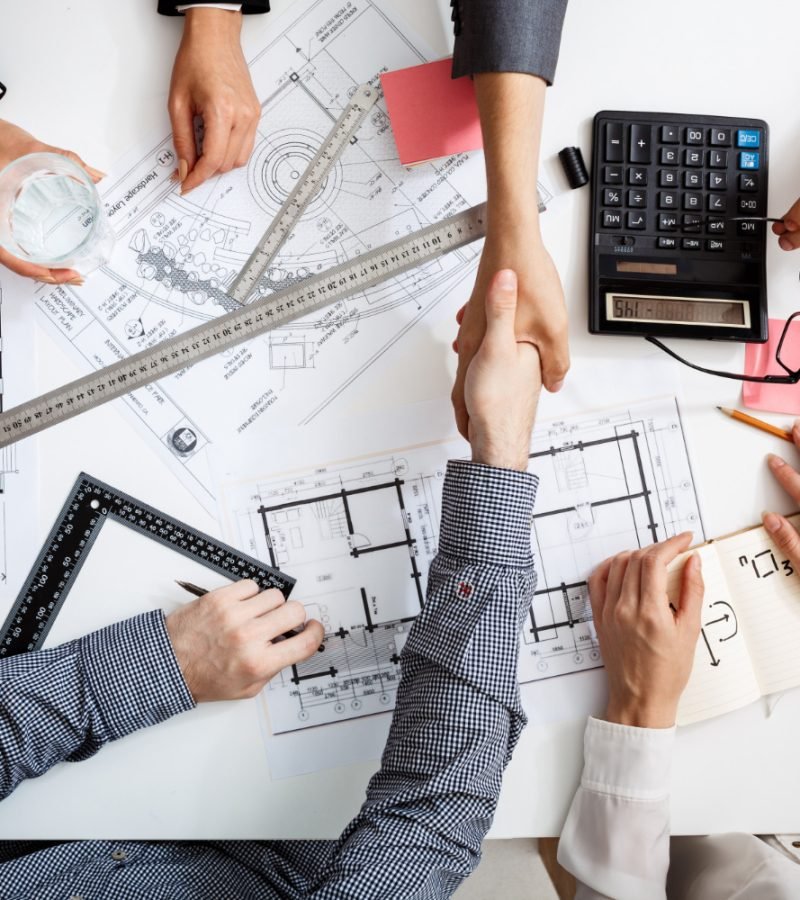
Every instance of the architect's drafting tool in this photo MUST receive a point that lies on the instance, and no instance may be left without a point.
(356, 276)
(90, 505)
(757, 423)
(308, 186)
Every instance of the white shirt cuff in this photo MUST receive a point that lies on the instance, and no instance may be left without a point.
(233, 7)
(623, 761)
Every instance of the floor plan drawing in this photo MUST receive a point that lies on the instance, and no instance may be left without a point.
(360, 536)
(176, 256)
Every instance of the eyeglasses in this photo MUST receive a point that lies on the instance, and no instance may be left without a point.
(2, 90)
(792, 375)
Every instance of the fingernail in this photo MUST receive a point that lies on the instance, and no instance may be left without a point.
(47, 279)
(78, 281)
(775, 462)
(183, 170)
(96, 173)
(557, 387)
(506, 280)
(771, 522)
(790, 225)
(784, 243)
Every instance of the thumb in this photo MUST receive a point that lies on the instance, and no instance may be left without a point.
(785, 536)
(501, 308)
(692, 591)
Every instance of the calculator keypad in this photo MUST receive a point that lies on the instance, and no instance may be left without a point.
(660, 178)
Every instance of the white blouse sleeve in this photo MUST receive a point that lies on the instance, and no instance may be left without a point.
(616, 837)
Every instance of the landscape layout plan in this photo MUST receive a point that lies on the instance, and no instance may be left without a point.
(360, 535)
(176, 256)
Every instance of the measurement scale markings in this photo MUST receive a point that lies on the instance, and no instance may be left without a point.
(237, 326)
(303, 193)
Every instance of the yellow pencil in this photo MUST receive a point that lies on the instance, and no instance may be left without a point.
(757, 423)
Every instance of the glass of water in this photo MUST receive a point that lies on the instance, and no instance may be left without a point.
(52, 215)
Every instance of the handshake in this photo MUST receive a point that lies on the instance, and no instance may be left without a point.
(229, 643)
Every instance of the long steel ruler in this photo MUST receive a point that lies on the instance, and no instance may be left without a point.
(308, 186)
(263, 315)
(91, 504)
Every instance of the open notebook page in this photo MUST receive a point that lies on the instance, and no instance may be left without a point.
(723, 677)
(767, 592)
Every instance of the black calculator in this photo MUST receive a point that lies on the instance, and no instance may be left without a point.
(676, 246)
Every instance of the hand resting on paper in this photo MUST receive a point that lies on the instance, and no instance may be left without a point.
(210, 79)
(648, 648)
(229, 643)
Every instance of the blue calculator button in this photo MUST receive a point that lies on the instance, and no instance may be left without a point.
(749, 160)
(746, 137)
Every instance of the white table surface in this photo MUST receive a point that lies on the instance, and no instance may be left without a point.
(93, 76)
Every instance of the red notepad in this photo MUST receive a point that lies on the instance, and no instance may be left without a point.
(432, 114)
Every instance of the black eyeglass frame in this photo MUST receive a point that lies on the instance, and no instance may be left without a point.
(792, 376)
(2, 90)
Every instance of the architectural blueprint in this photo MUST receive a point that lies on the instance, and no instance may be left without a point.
(176, 255)
(19, 474)
(360, 534)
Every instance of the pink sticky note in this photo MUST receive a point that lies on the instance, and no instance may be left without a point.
(432, 114)
(759, 359)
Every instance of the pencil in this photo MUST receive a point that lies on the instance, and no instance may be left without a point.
(757, 423)
(200, 592)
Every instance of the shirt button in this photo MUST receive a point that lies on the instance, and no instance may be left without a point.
(118, 856)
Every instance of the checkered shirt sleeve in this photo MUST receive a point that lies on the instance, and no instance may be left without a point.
(458, 713)
(66, 703)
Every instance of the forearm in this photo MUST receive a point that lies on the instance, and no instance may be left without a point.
(68, 702)
(511, 107)
(616, 837)
(458, 714)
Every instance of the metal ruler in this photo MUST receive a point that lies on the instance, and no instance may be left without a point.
(344, 280)
(90, 505)
(307, 187)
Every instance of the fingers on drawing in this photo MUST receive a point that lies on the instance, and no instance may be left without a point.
(635, 581)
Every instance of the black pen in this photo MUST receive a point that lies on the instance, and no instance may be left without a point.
(200, 592)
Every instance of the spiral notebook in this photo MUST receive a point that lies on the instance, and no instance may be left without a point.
(750, 641)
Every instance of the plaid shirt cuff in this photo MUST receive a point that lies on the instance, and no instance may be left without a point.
(133, 675)
(486, 514)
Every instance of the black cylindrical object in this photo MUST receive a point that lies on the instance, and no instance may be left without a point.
(574, 166)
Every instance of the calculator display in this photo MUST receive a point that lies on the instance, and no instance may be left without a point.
(677, 310)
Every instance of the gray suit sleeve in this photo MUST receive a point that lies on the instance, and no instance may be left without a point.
(507, 36)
